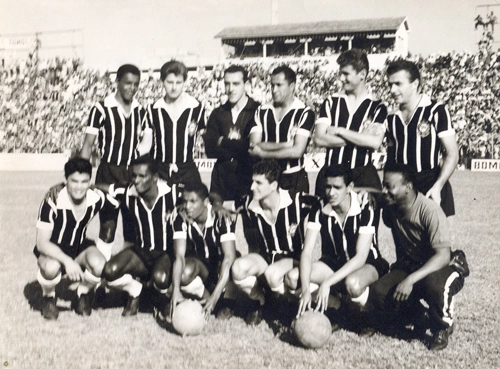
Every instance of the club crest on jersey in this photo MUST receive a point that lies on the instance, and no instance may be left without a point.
(423, 128)
(293, 229)
(234, 134)
(192, 128)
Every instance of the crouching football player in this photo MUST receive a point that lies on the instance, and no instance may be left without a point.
(350, 260)
(149, 200)
(61, 246)
(280, 221)
(423, 268)
(204, 249)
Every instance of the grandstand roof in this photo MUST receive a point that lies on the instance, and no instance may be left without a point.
(331, 27)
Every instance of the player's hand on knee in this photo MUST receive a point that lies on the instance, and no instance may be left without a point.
(403, 290)
(73, 271)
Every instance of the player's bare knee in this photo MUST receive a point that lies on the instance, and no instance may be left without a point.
(354, 286)
(111, 272)
(271, 278)
(161, 279)
(238, 271)
(189, 273)
(95, 262)
(49, 268)
(291, 278)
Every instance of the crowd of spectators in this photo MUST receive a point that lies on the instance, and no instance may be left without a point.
(44, 104)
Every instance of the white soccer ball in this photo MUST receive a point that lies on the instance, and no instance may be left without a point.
(188, 318)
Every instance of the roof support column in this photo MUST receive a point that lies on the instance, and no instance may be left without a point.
(264, 50)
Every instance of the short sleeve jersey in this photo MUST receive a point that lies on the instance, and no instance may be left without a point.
(335, 112)
(118, 133)
(204, 244)
(67, 231)
(285, 236)
(174, 139)
(299, 120)
(417, 233)
(417, 143)
(151, 224)
(339, 238)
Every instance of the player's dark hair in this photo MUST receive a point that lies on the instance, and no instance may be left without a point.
(77, 165)
(270, 168)
(356, 58)
(290, 75)
(175, 67)
(237, 69)
(339, 171)
(408, 173)
(406, 65)
(146, 160)
(198, 188)
(127, 68)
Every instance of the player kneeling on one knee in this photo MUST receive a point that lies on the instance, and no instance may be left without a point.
(204, 249)
(61, 246)
(280, 220)
(350, 260)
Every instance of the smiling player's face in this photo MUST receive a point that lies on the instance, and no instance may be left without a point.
(77, 185)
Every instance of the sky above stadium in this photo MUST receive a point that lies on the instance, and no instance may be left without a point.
(147, 32)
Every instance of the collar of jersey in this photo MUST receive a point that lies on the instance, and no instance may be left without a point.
(187, 102)
(208, 223)
(343, 95)
(354, 209)
(64, 202)
(285, 200)
(163, 189)
(425, 100)
(297, 104)
(111, 102)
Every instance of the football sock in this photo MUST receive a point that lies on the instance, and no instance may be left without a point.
(363, 298)
(163, 292)
(128, 284)
(250, 286)
(105, 248)
(280, 289)
(88, 283)
(48, 285)
(195, 288)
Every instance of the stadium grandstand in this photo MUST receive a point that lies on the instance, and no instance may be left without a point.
(376, 35)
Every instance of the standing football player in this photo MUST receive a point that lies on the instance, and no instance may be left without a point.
(175, 119)
(351, 124)
(421, 135)
(119, 124)
(282, 129)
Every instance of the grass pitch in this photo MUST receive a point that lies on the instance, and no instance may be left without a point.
(106, 340)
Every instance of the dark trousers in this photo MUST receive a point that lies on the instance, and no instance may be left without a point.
(437, 289)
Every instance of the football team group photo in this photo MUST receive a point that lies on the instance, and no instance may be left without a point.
(320, 196)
